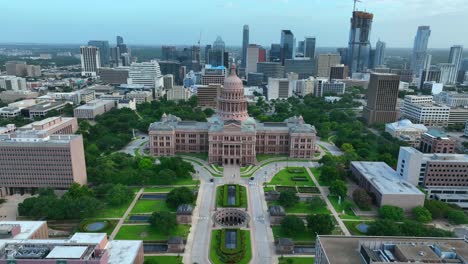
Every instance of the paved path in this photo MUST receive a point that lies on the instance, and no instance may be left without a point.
(334, 150)
(137, 144)
(324, 192)
(122, 220)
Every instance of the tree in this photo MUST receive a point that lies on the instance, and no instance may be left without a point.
(288, 198)
(164, 222)
(118, 194)
(179, 196)
(321, 224)
(166, 177)
(316, 202)
(456, 217)
(384, 227)
(292, 225)
(422, 215)
(362, 199)
(338, 188)
(438, 209)
(391, 212)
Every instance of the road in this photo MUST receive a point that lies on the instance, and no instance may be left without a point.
(136, 144)
(334, 150)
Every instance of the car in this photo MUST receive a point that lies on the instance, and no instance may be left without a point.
(252, 178)
(211, 180)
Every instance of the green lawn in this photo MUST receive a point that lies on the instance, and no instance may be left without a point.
(304, 208)
(202, 156)
(283, 178)
(244, 169)
(108, 229)
(296, 260)
(214, 243)
(188, 181)
(149, 206)
(220, 198)
(344, 206)
(317, 172)
(266, 189)
(307, 237)
(163, 260)
(262, 157)
(148, 233)
(113, 211)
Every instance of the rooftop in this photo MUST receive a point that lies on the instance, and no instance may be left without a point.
(384, 178)
(28, 228)
(437, 133)
(406, 124)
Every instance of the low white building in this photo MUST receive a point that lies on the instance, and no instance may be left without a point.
(10, 112)
(324, 87)
(452, 99)
(406, 131)
(421, 110)
(13, 83)
(178, 93)
(435, 87)
(140, 96)
(278, 88)
(126, 103)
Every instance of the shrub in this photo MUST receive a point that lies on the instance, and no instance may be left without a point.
(288, 199)
(362, 199)
(391, 213)
(421, 214)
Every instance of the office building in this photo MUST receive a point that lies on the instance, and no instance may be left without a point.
(406, 75)
(12, 83)
(458, 116)
(275, 53)
(379, 249)
(15, 68)
(34, 159)
(93, 109)
(300, 49)
(168, 81)
(171, 67)
(245, 44)
(422, 110)
(433, 87)
(13, 96)
(7, 129)
(208, 95)
(287, 45)
(104, 51)
(304, 67)
(452, 99)
(255, 54)
(231, 136)
(270, 70)
(115, 58)
(309, 47)
(455, 57)
(436, 141)
(40, 110)
(207, 54)
(213, 75)
(406, 131)
(169, 53)
(145, 73)
(254, 79)
(432, 74)
(9, 112)
(90, 61)
(379, 58)
(33, 71)
(325, 87)
(304, 87)
(119, 40)
(53, 126)
(338, 72)
(126, 103)
(114, 76)
(324, 64)
(382, 95)
(140, 96)
(216, 56)
(278, 88)
(359, 44)
(448, 75)
(463, 71)
(420, 49)
(178, 93)
(387, 187)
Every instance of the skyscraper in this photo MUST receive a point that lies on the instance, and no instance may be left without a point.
(104, 50)
(309, 47)
(145, 73)
(420, 49)
(359, 44)
(275, 53)
(120, 40)
(255, 54)
(217, 52)
(382, 95)
(169, 52)
(90, 60)
(379, 58)
(115, 57)
(245, 44)
(287, 45)
(462, 71)
(207, 54)
(300, 48)
(455, 57)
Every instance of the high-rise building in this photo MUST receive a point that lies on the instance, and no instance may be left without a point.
(324, 64)
(213, 75)
(104, 50)
(255, 54)
(359, 44)
(278, 88)
(270, 70)
(169, 53)
(455, 57)
(382, 95)
(325, 87)
(114, 76)
(300, 48)
(90, 60)
(216, 56)
(379, 58)
(338, 72)
(120, 40)
(463, 70)
(344, 55)
(115, 59)
(309, 47)
(171, 67)
(275, 53)
(207, 54)
(145, 73)
(448, 75)
(245, 44)
(302, 66)
(420, 49)
(287, 45)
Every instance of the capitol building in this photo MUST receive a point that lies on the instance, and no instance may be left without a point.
(231, 136)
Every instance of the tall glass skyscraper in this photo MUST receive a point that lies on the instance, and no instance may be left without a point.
(379, 58)
(455, 57)
(104, 50)
(217, 52)
(245, 44)
(359, 44)
(120, 40)
(309, 47)
(420, 49)
(287, 45)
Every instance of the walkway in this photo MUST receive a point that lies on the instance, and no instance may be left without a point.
(122, 219)
(324, 192)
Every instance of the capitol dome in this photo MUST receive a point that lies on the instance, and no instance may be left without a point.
(233, 81)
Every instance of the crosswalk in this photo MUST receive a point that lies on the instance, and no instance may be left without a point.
(203, 217)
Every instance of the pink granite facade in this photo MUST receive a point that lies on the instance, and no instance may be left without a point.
(231, 136)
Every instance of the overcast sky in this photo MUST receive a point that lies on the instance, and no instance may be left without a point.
(156, 22)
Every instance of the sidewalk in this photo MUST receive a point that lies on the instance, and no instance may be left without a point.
(122, 220)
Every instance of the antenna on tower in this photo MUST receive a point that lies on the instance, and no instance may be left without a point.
(354, 8)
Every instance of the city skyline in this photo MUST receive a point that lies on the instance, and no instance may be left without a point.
(330, 25)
